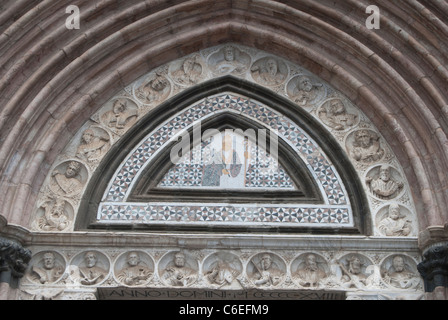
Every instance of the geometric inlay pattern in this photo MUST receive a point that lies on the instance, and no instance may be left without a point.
(336, 209)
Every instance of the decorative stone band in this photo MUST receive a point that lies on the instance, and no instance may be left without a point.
(286, 215)
(434, 267)
(14, 261)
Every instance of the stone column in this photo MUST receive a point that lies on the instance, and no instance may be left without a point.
(434, 267)
(14, 260)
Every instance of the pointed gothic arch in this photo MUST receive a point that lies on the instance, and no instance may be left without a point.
(355, 213)
(101, 184)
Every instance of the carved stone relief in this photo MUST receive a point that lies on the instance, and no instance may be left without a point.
(400, 271)
(395, 220)
(119, 115)
(335, 114)
(372, 271)
(68, 179)
(305, 90)
(384, 182)
(50, 277)
(310, 270)
(222, 270)
(55, 214)
(269, 71)
(46, 267)
(266, 270)
(94, 144)
(89, 268)
(189, 71)
(365, 146)
(134, 268)
(178, 269)
(229, 60)
(153, 89)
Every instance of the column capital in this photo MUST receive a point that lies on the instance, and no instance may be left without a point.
(434, 267)
(14, 260)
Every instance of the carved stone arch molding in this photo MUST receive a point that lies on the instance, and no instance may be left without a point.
(336, 142)
(348, 209)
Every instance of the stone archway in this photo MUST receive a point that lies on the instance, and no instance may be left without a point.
(53, 81)
(320, 257)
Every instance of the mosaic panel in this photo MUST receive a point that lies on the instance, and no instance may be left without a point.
(239, 164)
(187, 173)
(215, 213)
(324, 173)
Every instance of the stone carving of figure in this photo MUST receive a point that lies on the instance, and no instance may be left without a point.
(310, 274)
(135, 273)
(384, 186)
(178, 274)
(394, 224)
(93, 146)
(156, 89)
(366, 147)
(222, 274)
(305, 91)
(49, 272)
(266, 273)
(67, 184)
(336, 115)
(91, 274)
(55, 217)
(232, 62)
(120, 116)
(398, 275)
(190, 71)
(353, 274)
(268, 72)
